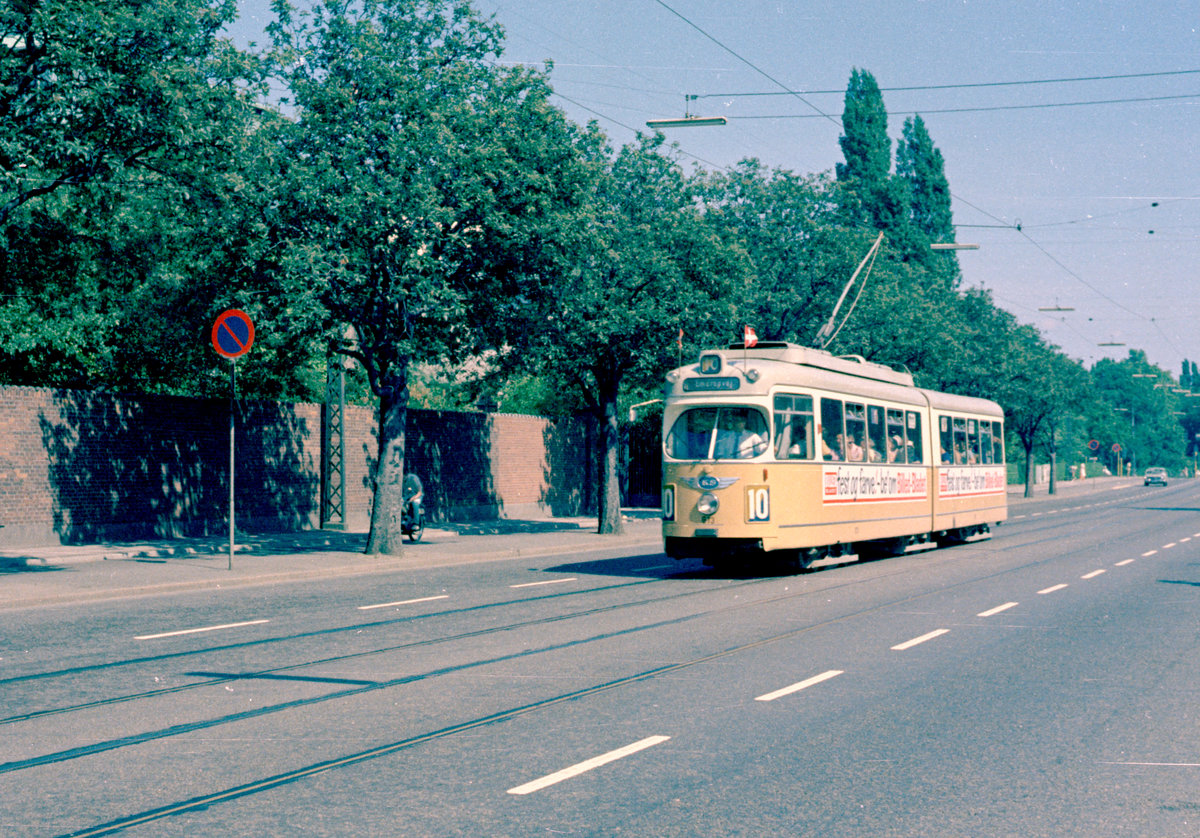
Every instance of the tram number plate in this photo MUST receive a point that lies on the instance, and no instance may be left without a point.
(758, 504)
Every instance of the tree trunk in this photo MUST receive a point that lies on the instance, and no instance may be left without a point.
(1029, 470)
(610, 450)
(386, 537)
(1053, 469)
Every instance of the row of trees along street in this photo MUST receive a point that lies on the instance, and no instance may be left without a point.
(374, 183)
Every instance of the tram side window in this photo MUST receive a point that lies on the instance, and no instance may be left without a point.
(985, 443)
(896, 450)
(972, 442)
(946, 439)
(960, 441)
(793, 427)
(997, 443)
(876, 435)
(856, 432)
(832, 432)
(916, 452)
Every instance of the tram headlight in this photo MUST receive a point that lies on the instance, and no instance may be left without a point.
(707, 504)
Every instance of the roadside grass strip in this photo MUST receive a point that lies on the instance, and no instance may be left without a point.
(588, 765)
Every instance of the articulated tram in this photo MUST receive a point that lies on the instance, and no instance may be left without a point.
(785, 452)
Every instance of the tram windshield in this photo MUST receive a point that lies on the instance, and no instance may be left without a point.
(718, 433)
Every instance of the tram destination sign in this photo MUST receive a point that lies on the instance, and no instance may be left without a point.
(693, 385)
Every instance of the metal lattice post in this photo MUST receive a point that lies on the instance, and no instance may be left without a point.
(333, 484)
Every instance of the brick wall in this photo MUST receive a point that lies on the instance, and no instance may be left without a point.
(77, 466)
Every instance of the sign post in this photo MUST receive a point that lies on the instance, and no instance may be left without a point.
(232, 337)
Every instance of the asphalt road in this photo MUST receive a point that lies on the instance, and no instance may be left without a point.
(1043, 682)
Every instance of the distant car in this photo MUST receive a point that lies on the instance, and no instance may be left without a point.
(1156, 475)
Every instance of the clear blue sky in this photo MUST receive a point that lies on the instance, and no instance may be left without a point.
(1107, 193)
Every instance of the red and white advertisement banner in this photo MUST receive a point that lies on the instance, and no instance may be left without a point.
(873, 484)
(971, 481)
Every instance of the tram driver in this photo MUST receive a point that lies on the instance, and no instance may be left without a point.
(735, 441)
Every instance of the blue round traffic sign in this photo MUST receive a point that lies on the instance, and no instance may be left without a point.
(233, 333)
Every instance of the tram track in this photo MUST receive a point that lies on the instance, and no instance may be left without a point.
(493, 630)
(298, 774)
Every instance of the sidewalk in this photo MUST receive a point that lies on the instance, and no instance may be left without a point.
(43, 575)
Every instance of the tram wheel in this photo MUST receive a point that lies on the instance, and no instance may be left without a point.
(802, 560)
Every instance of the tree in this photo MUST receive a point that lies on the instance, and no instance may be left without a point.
(870, 196)
(123, 144)
(648, 266)
(421, 176)
(920, 166)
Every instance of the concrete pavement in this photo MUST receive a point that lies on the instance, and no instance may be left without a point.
(44, 575)
(41, 575)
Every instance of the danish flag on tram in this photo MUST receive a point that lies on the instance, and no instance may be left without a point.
(749, 338)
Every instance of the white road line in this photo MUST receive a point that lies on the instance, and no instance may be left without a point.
(1051, 589)
(403, 602)
(1168, 546)
(992, 611)
(1093, 574)
(1016, 517)
(547, 582)
(908, 644)
(1158, 764)
(1127, 561)
(1149, 553)
(802, 685)
(1185, 540)
(588, 765)
(656, 567)
(199, 630)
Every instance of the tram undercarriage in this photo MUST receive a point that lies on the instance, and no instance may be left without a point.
(748, 553)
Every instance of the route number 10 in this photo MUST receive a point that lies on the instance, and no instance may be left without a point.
(758, 504)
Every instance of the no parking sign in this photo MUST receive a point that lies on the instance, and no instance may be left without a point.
(233, 333)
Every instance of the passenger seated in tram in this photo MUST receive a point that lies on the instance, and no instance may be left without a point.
(873, 455)
(854, 449)
(792, 443)
(895, 449)
(834, 452)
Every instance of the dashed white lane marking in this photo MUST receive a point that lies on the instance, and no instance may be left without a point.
(199, 630)
(1149, 553)
(1127, 561)
(1168, 546)
(1093, 574)
(547, 582)
(802, 685)
(588, 765)
(993, 611)
(1051, 589)
(1185, 540)
(403, 602)
(655, 567)
(908, 644)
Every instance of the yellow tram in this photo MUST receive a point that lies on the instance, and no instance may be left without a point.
(787, 452)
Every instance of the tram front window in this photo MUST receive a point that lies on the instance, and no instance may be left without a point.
(718, 433)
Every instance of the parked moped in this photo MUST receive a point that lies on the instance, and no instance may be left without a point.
(412, 518)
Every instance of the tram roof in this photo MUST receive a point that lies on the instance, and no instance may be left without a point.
(791, 353)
